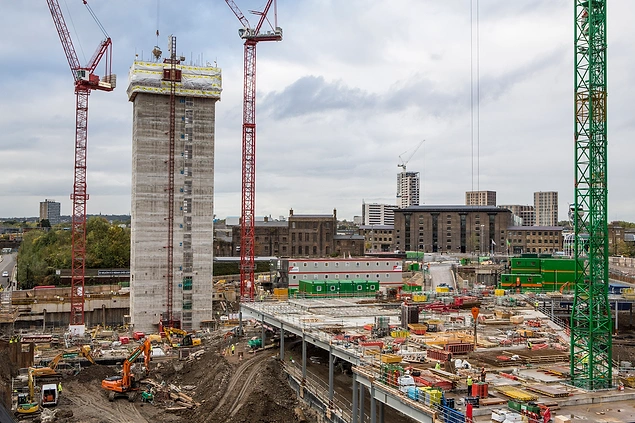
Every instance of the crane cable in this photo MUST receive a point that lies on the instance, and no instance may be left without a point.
(77, 39)
(95, 18)
(475, 126)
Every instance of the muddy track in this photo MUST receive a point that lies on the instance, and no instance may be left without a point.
(95, 402)
(250, 365)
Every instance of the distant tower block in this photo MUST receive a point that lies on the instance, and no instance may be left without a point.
(196, 97)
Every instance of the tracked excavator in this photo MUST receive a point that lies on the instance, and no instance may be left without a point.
(180, 338)
(26, 402)
(126, 385)
(51, 369)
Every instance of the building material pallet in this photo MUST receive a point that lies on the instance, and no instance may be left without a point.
(516, 393)
(492, 401)
(553, 391)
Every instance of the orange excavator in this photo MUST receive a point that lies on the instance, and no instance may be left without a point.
(126, 385)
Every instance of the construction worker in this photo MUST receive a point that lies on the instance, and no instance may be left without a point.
(483, 374)
(438, 366)
(59, 388)
(528, 345)
(469, 385)
(233, 348)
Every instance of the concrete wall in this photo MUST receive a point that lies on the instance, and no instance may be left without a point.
(193, 211)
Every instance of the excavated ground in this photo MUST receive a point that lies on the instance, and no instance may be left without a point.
(229, 389)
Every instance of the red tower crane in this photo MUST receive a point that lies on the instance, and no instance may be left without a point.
(247, 236)
(85, 81)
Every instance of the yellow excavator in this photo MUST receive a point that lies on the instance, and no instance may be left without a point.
(180, 338)
(27, 404)
(51, 369)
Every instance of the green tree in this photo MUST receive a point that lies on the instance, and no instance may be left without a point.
(43, 252)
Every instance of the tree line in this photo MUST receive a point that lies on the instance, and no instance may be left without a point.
(43, 251)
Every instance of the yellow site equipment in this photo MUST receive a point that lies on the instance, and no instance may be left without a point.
(27, 403)
(180, 338)
(51, 369)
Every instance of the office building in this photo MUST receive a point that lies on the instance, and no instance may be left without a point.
(378, 214)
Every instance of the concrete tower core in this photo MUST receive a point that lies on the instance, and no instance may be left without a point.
(196, 97)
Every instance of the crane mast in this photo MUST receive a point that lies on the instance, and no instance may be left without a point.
(173, 77)
(591, 344)
(248, 198)
(85, 81)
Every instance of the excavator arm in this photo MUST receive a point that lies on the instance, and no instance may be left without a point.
(124, 383)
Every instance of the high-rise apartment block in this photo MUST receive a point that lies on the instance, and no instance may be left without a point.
(525, 213)
(480, 198)
(546, 207)
(407, 189)
(197, 89)
(378, 214)
(50, 210)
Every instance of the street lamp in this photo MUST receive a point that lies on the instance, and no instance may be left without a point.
(482, 237)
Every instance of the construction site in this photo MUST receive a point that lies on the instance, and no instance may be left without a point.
(389, 355)
(449, 338)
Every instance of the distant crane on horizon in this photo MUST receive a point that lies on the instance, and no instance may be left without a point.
(405, 162)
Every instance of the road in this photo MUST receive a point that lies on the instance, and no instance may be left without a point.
(441, 273)
(7, 264)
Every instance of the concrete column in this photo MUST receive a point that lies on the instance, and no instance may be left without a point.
(616, 315)
(355, 399)
(44, 320)
(303, 356)
(331, 369)
(361, 403)
(631, 315)
(240, 323)
(373, 406)
(281, 342)
(381, 412)
(263, 335)
(552, 313)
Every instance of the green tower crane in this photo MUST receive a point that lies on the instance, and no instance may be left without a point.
(591, 345)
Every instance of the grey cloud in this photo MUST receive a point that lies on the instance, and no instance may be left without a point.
(312, 94)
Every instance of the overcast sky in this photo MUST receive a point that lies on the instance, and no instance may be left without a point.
(352, 86)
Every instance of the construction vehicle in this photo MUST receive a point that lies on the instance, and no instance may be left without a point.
(126, 383)
(50, 395)
(51, 369)
(26, 401)
(180, 338)
(405, 382)
(254, 343)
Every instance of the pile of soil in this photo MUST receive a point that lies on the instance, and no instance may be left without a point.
(93, 373)
(269, 400)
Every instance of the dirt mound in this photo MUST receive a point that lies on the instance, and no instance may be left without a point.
(93, 373)
(265, 398)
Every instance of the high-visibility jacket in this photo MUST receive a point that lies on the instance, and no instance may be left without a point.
(469, 381)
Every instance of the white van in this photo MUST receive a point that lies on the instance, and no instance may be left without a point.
(49, 395)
